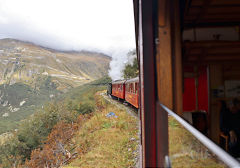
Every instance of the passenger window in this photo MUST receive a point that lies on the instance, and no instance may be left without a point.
(136, 88)
(133, 88)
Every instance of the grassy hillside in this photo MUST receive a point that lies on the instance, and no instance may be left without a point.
(32, 75)
(19, 100)
(33, 131)
(93, 140)
(106, 142)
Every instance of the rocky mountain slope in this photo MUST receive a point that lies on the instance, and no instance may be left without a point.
(31, 75)
(26, 63)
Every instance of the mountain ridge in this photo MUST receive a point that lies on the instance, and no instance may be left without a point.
(80, 67)
(31, 75)
(56, 50)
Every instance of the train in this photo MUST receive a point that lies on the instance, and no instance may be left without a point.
(126, 90)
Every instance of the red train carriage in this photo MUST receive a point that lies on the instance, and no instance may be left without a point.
(131, 92)
(118, 89)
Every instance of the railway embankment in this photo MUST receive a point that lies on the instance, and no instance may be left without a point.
(110, 138)
(184, 149)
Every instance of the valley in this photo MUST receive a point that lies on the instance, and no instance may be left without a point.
(32, 75)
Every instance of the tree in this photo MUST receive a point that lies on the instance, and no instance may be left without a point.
(131, 71)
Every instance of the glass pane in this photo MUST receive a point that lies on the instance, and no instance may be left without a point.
(186, 151)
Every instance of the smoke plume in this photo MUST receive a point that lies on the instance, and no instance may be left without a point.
(119, 61)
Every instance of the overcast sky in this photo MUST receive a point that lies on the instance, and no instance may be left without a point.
(102, 25)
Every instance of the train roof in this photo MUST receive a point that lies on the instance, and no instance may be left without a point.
(132, 80)
(119, 82)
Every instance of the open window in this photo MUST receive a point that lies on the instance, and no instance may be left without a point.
(190, 58)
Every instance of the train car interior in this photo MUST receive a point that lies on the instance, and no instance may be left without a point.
(210, 62)
(194, 46)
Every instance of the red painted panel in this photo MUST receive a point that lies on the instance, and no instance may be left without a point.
(117, 91)
(132, 98)
(189, 95)
(203, 89)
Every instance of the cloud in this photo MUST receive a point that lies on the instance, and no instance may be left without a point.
(101, 25)
(69, 24)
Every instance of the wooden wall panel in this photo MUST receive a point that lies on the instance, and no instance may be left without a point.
(164, 56)
(216, 80)
(177, 62)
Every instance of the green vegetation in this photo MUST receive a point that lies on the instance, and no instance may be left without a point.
(33, 131)
(78, 99)
(32, 75)
(131, 70)
(32, 99)
(106, 142)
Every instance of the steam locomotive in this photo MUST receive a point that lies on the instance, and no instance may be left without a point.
(126, 90)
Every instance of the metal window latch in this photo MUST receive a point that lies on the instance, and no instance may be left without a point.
(167, 162)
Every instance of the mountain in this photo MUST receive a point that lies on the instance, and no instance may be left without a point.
(25, 62)
(32, 75)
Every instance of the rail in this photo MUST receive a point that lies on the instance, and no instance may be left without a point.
(220, 153)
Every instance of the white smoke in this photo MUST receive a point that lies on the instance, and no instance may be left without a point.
(118, 63)
(105, 26)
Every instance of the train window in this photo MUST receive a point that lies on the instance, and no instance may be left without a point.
(133, 87)
(136, 88)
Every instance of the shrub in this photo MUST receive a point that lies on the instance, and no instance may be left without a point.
(86, 108)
